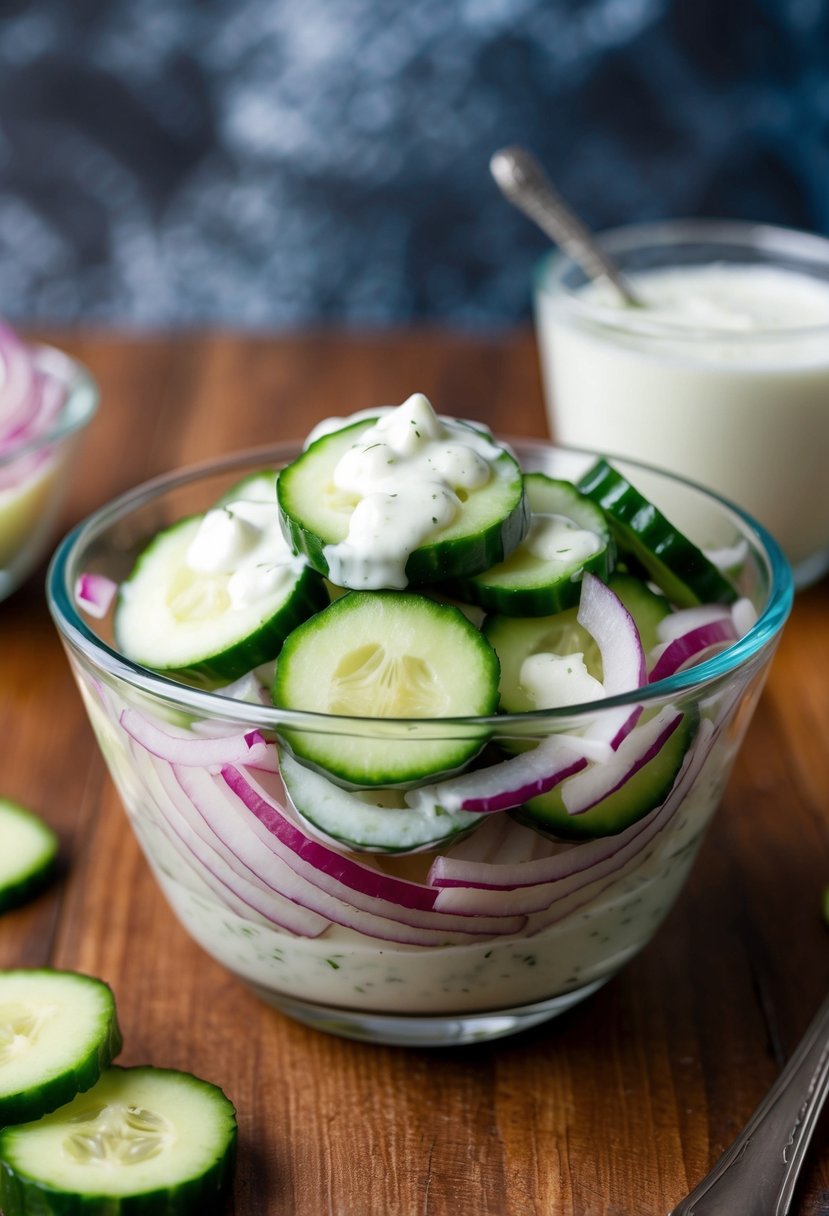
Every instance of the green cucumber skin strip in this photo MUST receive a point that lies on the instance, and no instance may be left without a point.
(437, 562)
(676, 565)
(548, 815)
(43, 870)
(79, 1077)
(22, 1194)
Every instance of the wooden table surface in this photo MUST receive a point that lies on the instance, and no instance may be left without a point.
(616, 1108)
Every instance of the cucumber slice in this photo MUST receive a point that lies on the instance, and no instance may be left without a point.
(568, 534)
(29, 857)
(514, 639)
(174, 619)
(58, 1032)
(369, 821)
(640, 794)
(316, 516)
(387, 654)
(674, 562)
(142, 1141)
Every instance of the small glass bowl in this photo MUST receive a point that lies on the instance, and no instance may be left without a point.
(34, 476)
(399, 965)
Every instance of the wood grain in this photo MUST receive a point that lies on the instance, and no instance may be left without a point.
(616, 1108)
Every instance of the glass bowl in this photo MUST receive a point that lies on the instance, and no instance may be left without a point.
(411, 949)
(738, 407)
(34, 476)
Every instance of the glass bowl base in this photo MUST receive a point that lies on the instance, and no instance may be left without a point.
(422, 1030)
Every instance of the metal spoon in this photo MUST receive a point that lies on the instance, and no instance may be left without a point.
(756, 1176)
(525, 185)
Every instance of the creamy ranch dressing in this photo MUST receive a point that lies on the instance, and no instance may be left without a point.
(724, 380)
(409, 471)
(557, 538)
(243, 540)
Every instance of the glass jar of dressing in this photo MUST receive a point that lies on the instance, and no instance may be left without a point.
(723, 377)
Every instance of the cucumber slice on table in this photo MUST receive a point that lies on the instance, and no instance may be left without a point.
(675, 564)
(316, 515)
(28, 857)
(58, 1031)
(387, 654)
(174, 619)
(635, 798)
(568, 534)
(143, 1141)
(369, 821)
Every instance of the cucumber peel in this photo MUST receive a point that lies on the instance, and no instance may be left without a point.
(676, 565)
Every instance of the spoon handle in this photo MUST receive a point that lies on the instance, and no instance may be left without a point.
(756, 1176)
(524, 183)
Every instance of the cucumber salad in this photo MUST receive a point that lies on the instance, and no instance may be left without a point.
(449, 794)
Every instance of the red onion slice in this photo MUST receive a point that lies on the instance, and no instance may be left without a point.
(624, 668)
(502, 786)
(238, 888)
(354, 895)
(586, 789)
(250, 748)
(688, 647)
(535, 886)
(95, 593)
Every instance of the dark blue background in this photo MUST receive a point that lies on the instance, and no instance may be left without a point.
(275, 162)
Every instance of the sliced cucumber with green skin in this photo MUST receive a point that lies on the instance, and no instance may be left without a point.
(637, 797)
(369, 821)
(58, 1032)
(672, 561)
(178, 621)
(142, 1142)
(315, 514)
(514, 639)
(387, 654)
(29, 856)
(568, 534)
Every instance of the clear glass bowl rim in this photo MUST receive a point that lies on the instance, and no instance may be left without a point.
(74, 629)
(767, 240)
(77, 411)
